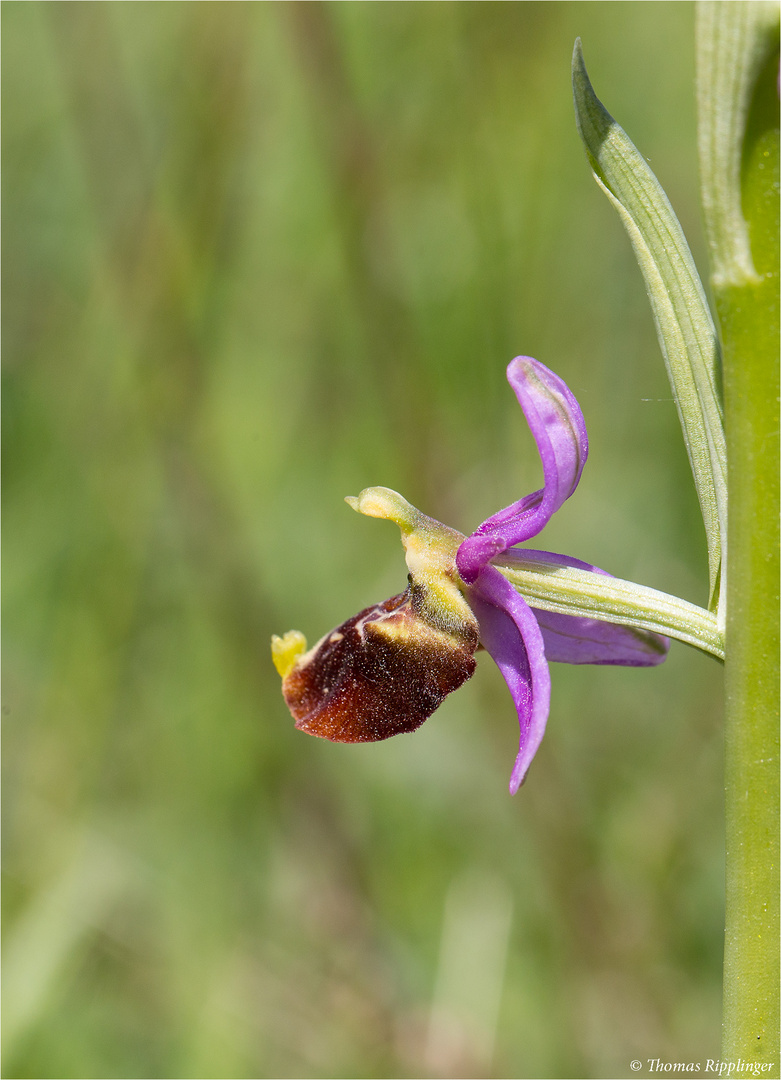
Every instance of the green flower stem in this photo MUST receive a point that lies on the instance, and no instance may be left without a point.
(579, 592)
(751, 967)
(737, 69)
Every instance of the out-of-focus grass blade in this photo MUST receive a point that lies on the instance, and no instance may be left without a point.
(683, 321)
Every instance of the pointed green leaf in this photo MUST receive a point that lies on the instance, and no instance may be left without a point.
(683, 321)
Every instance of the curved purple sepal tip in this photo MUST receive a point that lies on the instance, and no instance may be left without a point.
(509, 632)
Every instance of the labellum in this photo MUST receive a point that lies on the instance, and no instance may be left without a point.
(381, 673)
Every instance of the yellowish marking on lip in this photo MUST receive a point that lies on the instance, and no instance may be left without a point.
(286, 650)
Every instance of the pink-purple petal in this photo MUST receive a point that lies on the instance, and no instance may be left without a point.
(510, 633)
(559, 430)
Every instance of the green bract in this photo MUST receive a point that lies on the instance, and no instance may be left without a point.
(683, 321)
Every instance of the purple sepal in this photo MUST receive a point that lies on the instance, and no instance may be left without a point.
(559, 430)
(573, 639)
(509, 632)
(578, 639)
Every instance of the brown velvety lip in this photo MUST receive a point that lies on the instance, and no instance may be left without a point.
(381, 673)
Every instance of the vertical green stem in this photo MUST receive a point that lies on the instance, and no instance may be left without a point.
(751, 964)
(738, 103)
(751, 968)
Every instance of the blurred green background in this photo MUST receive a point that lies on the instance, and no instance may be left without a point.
(258, 257)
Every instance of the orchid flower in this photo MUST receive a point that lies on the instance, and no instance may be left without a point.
(387, 669)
